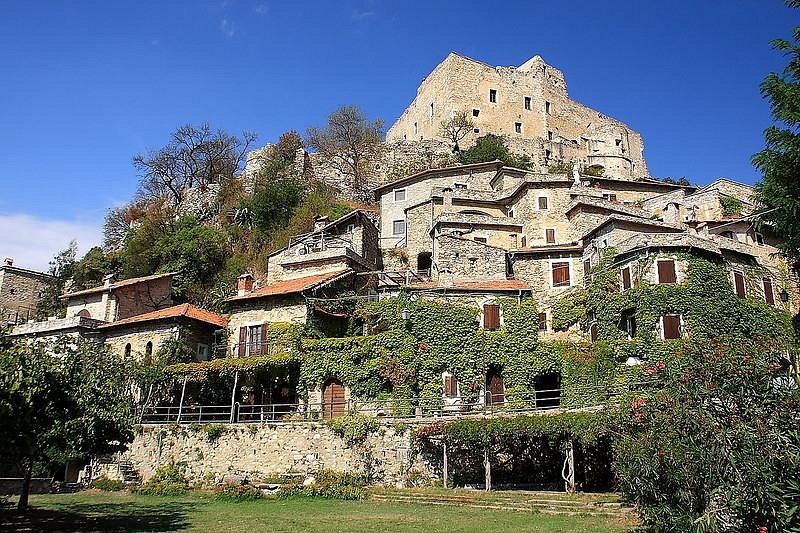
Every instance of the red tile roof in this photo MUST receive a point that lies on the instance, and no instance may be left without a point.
(482, 285)
(118, 284)
(291, 286)
(176, 311)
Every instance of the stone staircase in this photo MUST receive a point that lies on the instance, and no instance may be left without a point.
(522, 501)
(128, 473)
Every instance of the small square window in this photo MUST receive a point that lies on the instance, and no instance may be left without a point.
(527, 102)
(476, 112)
(560, 272)
(351, 228)
(550, 235)
(493, 95)
(518, 127)
(399, 195)
(202, 352)
(476, 130)
(399, 227)
(759, 239)
(460, 185)
(543, 202)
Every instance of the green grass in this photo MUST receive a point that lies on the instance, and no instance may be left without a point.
(95, 511)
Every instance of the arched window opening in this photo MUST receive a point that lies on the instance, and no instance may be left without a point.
(84, 313)
(127, 350)
(148, 352)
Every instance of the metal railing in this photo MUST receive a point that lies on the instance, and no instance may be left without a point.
(487, 404)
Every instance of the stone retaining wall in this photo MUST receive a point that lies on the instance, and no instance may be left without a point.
(260, 451)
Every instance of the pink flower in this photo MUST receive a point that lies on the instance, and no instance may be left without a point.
(637, 404)
(423, 346)
(650, 371)
(661, 365)
(762, 529)
(662, 452)
(639, 417)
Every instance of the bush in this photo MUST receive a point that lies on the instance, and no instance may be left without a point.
(169, 480)
(353, 428)
(108, 485)
(235, 493)
(215, 431)
(327, 484)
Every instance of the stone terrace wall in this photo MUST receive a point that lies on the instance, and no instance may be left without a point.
(272, 449)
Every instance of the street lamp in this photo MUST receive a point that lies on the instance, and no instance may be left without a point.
(406, 314)
(784, 296)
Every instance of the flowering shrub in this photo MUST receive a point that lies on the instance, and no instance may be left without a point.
(712, 445)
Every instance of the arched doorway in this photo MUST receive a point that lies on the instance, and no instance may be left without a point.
(333, 403)
(424, 263)
(495, 389)
(84, 313)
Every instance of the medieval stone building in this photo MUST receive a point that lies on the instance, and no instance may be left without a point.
(20, 291)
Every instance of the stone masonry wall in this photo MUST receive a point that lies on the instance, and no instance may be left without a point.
(19, 294)
(258, 451)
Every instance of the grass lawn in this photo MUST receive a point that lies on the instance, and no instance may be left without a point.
(99, 511)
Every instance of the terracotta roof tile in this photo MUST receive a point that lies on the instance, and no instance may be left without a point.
(118, 284)
(291, 286)
(176, 311)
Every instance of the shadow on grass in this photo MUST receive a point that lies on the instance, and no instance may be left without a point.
(169, 516)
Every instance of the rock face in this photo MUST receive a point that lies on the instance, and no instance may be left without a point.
(261, 451)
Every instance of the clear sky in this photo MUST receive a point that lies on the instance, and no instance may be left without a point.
(88, 84)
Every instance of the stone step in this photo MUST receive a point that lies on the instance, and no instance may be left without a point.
(549, 510)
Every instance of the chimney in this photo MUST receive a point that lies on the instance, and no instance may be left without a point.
(108, 280)
(244, 284)
(8, 261)
(320, 222)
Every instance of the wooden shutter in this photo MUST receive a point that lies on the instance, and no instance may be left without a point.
(491, 316)
(593, 332)
(632, 326)
(560, 274)
(738, 283)
(626, 278)
(542, 321)
(769, 294)
(263, 347)
(666, 271)
(242, 341)
(672, 326)
(542, 202)
(450, 386)
(550, 235)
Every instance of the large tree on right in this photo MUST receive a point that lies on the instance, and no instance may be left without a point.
(779, 161)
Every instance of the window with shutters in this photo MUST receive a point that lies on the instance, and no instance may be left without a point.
(671, 327)
(399, 227)
(769, 294)
(542, 322)
(543, 202)
(560, 274)
(666, 271)
(738, 284)
(450, 385)
(626, 278)
(550, 235)
(491, 316)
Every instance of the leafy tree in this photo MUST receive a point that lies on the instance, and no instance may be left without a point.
(61, 401)
(456, 128)
(778, 193)
(349, 141)
(492, 147)
(61, 270)
(274, 203)
(713, 443)
(679, 181)
(195, 156)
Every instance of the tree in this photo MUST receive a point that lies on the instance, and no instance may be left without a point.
(349, 141)
(712, 443)
(492, 147)
(61, 269)
(274, 203)
(778, 192)
(61, 401)
(456, 128)
(194, 157)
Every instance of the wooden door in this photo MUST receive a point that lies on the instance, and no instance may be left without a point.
(495, 389)
(333, 403)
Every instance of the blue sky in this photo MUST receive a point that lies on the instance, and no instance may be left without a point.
(88, 84)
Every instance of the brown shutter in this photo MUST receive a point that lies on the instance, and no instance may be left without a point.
(626, 278)
(550, 235)
(542, 202)
(450, 386)
(593, 332)
(560, 274)
(738, 282)
(242, 341)
(769, 294)
(672, 326)
(263, 348)
(666, 271)
(491, 316)
(542, 321)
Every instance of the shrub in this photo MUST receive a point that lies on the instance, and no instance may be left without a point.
(327, 484)
(215, 431)
(108, 485)
(235, 493)
(169, 480)
(353, 428)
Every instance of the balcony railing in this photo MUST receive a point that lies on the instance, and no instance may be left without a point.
(490, 403)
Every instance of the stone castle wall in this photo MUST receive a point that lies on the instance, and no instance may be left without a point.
(19, 294)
